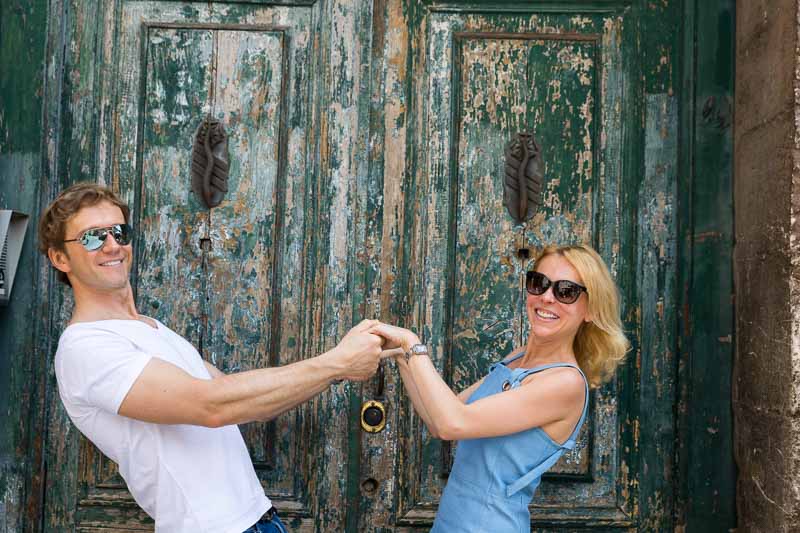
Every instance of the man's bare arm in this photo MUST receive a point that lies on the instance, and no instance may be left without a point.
(166, 394)
(214, 371)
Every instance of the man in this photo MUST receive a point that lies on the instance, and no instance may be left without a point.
(143, 395)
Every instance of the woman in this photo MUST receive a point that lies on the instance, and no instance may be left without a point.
(515, 423)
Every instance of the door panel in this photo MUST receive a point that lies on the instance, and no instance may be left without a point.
(504, 85)
(231, 279)
(480, 75)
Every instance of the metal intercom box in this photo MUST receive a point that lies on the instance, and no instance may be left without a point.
(12, 234)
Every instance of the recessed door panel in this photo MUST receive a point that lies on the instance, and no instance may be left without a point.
(480, 78)
(228, 278)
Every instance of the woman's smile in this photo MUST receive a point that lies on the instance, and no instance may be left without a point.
(546, 315)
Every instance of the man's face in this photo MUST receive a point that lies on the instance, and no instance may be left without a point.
(106, 268)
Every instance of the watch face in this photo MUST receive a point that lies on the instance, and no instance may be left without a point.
(419, 349)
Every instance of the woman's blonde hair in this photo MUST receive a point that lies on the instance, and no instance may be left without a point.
(599, 345)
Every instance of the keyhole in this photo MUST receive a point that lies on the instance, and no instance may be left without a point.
(369, 485)
(524, 254)
(373, 416)
(205, 244)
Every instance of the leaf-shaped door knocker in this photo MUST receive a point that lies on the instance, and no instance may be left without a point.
(522, 180)
(210, 162)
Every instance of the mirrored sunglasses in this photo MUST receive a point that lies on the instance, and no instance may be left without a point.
(564, 290)
(93, 239)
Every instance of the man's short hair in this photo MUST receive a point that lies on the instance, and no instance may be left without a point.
(53, 224)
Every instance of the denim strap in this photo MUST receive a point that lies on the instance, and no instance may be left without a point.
(548, 463)
(505, 362)
(537, 472)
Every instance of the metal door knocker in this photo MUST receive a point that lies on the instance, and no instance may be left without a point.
(210, 162)
(373, 416)
(522, 180)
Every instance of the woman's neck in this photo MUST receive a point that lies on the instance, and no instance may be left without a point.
(539, 353)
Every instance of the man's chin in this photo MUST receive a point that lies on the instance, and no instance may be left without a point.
(112, 284)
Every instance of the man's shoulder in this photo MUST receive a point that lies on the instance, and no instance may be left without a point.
(102, 328)
(91, 335)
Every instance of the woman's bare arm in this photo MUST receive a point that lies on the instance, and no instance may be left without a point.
(552, 399)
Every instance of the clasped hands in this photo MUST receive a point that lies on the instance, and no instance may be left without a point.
(361, 350)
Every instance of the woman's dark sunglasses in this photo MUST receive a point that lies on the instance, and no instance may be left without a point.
(565, 291)
(93, 239)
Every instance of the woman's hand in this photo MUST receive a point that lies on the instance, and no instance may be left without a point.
(396, 337)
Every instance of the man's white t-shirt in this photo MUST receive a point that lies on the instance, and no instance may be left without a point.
(187, 478)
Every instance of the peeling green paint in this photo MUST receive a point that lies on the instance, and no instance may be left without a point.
(366, 142)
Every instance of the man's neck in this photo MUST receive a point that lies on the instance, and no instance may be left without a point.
(92, 305)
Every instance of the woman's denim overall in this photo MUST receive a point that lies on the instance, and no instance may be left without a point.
(493, 479)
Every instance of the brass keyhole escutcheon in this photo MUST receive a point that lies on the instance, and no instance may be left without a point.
(373, 416)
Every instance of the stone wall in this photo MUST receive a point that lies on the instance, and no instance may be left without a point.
(767, 278)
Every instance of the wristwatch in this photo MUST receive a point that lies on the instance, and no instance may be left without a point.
(417, 349)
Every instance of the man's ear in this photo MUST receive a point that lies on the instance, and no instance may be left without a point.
(59, 259)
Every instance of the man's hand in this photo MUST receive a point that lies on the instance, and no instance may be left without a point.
(359, 352)
(398, 340)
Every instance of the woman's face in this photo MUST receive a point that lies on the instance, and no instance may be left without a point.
(550, 319)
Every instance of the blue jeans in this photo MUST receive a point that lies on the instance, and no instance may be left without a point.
(268, 524)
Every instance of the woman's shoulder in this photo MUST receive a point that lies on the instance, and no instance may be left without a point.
(568, 375)
(567, 380)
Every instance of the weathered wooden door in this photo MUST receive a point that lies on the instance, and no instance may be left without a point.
(593, 81)
(261, 279)
(366, 143)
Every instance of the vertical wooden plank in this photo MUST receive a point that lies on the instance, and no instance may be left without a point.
(243, 259)
(297, 331)
(713, 332)
(618, 169)
(371, 509)
(71, 155)
(657, 262)
(685, 244)
(622, 155)
(706, 470)
(339, 162)
(170, 277)
(23, 47)
(657, 256)
(383, 198)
